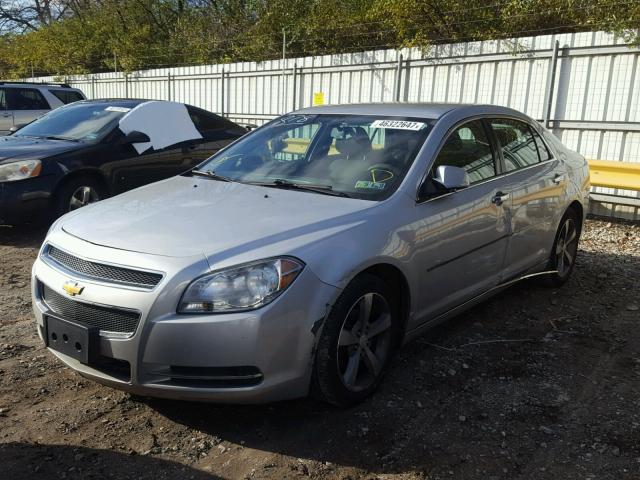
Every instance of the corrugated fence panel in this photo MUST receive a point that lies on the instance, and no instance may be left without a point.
(595, 107)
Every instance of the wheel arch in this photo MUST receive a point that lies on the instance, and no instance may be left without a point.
(93, 173)
(399, 285)
(579, 209)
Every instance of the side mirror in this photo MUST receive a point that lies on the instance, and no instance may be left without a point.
(249, 126)
(452, 178)
(135, 136)
(15, 128)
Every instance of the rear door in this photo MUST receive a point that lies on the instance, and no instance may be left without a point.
(534, 180)
(6, 116)
(461, 237)
(26, 104)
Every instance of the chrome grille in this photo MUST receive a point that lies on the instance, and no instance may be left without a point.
(100, 271)
(106, 319)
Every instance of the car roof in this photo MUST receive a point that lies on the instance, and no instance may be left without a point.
(56, 86)
(117, 102)
(419, 110)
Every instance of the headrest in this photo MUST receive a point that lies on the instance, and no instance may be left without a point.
(505, 136)
(353, 141)
(453, 143)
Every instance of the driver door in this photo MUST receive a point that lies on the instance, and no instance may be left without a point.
(461, 236)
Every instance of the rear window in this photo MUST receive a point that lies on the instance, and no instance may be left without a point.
(67, 96)
(543, 151)
(518, 145)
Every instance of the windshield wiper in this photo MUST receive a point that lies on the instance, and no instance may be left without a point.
(322, 189)
(211, 174)
(56, 137)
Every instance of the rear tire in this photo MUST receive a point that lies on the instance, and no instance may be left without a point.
(77, 193)
(357, 342)
(564, 251)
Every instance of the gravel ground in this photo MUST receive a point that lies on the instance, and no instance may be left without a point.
(536, 383)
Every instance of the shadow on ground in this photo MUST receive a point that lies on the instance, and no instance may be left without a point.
(22, 237)
(27, 461)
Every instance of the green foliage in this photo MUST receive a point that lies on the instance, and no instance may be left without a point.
(102, 35)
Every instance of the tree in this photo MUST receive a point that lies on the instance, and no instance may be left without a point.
(80, 36)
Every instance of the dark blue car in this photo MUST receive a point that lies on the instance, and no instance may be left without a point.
(82, 153)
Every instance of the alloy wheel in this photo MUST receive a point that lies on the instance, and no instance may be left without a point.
(364, 342)
(566, 247)
(82, 196)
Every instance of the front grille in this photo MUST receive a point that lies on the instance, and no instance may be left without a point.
(107, 273)
(106, 319)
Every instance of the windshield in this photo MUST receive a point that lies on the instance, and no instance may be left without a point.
(357, 156)
(86, 122)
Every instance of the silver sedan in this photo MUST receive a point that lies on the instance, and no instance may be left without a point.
(301, 257)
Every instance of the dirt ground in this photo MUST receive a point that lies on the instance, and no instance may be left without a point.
(536, 383)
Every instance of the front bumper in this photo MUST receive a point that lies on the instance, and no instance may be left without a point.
(25, 200)
(251, 357)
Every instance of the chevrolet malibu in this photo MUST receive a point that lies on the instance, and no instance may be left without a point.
(298, 259)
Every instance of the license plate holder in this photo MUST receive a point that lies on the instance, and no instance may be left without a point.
(77, 341)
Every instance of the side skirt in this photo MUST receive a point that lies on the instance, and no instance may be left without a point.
(455, 311)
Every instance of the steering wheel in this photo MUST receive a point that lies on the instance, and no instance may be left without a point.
(243, 162)
(383, 172)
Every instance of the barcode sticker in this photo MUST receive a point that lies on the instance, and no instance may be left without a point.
(117, 109)
(397, 124)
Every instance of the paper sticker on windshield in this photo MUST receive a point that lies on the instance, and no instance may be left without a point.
(293, 120)
(366, 185)
(397, 124)
(117, 109)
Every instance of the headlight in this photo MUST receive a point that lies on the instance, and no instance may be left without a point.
(245, 287)
(10, 172)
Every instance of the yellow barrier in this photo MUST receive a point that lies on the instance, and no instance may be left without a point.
(625, 175)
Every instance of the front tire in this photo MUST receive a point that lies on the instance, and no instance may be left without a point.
(77, 193)
(357, 342)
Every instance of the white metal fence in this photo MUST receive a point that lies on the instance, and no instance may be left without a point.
(584, 86)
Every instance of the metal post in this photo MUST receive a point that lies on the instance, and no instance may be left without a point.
(222, 94)
(295, 82)
(551, 83)
(396, 96)
(284, 78)
(169, 86)
(126, 85)
(93, 86)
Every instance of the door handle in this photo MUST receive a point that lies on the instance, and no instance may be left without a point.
(499, 198)
(558, 179)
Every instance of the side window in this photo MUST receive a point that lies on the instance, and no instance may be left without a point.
(3, 99)
(543, 151)
(207, 122)
(468, 147)
(516, 140)
(26, 99)
(67, 96)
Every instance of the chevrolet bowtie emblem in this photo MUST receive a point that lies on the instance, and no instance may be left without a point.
(72, 288)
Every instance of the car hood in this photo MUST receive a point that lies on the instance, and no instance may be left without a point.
(31, 148)
(185, 216)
